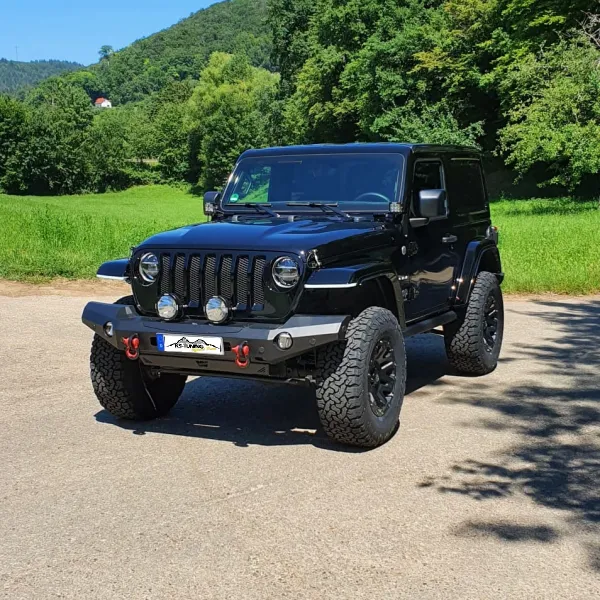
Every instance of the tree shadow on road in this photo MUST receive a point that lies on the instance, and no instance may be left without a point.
(556, 461)
(246, 413)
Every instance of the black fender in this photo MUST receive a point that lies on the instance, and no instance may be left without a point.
(481, 255)
(349, 277)
(115, 269)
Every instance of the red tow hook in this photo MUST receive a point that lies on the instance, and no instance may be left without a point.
(132, 345)
(241, 355)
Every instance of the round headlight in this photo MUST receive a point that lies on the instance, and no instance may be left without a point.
(217, 310)
(286, 272)
(149, 267)
(167, 307)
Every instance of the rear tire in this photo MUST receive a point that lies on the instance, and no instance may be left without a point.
(125, 388)
(473, 344)
(359, 394)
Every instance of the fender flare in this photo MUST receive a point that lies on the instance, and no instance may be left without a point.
(115, 269)
(476, 252)
(352, 276)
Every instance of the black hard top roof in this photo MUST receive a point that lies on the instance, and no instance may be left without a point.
(379, 147)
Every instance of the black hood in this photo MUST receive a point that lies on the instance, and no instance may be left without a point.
(330, 237)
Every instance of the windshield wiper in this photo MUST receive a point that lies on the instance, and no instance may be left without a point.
(260, 207)
(325, 207)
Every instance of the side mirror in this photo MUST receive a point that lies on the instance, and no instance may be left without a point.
(431, 204)
(211, 203)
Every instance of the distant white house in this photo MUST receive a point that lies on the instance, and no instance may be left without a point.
(102, 103)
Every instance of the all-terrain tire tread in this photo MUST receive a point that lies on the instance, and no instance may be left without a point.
(340, 381)
(118, 383)
(464, 344)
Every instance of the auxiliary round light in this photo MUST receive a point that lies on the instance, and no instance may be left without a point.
(217, 310)
(286, 272)
(284, 341)
(149, 267)
(109, 329)
(167, 307)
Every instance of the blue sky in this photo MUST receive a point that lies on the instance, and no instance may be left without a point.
(75, 30)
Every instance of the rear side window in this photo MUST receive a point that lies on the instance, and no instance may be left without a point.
(466, 187)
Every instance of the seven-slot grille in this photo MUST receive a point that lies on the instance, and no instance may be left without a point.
(195, 278)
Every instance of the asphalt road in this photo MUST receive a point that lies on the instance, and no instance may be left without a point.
(489, 490)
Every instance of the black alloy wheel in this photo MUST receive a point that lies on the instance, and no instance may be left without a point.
(490, 324)
(361, 381)
(382, 376)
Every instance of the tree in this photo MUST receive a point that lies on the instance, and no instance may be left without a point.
(555, 116)
(365, 79)
(173, 147)
(182, 51)
(14, 118)
(290, 25)
(15, 77)
(229, 112)
(105, 52)
(109, 151)
(457, 71)
(56, 159)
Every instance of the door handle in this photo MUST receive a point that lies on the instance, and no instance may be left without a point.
(449, 239)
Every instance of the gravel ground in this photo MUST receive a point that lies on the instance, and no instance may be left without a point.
(489, 490)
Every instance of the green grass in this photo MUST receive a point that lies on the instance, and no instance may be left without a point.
(546, 245)
(549, 245)
(70, 236)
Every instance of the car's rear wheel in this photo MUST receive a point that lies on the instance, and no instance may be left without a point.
(126, 388)
(360, 382)
(473, 344)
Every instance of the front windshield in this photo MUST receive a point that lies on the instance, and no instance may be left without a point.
(354, 181)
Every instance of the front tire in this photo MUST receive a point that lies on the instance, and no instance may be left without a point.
(361, 382)
(473, 344)
(125, 388)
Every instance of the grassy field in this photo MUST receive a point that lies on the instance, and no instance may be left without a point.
(70, 236)
(547, 245)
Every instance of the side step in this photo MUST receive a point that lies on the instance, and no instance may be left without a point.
(429, 324)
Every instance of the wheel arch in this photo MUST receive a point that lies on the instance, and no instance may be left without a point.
(480, 255)
(355, 288)
(115, 269)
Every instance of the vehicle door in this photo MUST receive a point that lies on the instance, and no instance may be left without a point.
(432, 258)
(467, 200)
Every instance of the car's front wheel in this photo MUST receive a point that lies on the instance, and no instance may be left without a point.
(361, 382)
(126, 388)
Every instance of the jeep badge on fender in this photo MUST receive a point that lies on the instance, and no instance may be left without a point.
(316, 263)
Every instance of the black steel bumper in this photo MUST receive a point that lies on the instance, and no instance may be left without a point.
(266, 359)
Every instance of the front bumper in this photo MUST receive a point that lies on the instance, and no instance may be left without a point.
(266, 358)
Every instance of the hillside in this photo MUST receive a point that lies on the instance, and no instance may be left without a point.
(181, 51)
(17, 75)
(521, 82)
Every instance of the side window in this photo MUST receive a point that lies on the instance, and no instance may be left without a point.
(429, 175)
(465, 180)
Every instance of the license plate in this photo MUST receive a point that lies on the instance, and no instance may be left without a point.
(194, 344)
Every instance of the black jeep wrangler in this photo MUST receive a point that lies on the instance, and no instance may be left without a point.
(317, 263)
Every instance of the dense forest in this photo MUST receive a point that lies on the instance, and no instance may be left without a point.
(181, 52)
(518, 78)
(17, 76)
